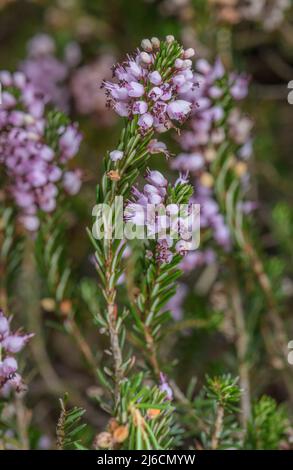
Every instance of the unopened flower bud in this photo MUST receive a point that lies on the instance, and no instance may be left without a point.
(113, 424)
(155, 42)
(120, 434)
(170, 39)
(145, 58)
(187, 63)
(152, 413)
(146, 45)
(116, 155)
(66, 307)
(113, 175)
(179, 63)
(188, 53)
(103, 441)
(48, 304)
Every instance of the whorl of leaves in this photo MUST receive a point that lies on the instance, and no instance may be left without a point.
(51, 260)
(148, 415)
(224, 391)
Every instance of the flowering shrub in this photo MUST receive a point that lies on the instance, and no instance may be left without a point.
(83, 86)
(151, 86)
(35, 168)
(145, 211)
(46, 72)
(216, 122)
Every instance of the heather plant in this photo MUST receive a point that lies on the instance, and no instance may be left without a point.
(11, 382)
(34, 150)
(216, 148)
(148, 91)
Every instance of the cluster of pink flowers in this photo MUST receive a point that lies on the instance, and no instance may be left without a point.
(63, 82)
(35, 171)
(214, 121)
(179, 8)
(88, 100)
(155, 96)
(162, 219)
(11, 343)
(269, 13)
(47, 73)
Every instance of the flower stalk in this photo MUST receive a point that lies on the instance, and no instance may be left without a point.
(148, 93)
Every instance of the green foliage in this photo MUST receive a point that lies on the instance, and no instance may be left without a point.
(55, 122)
(282, 220)
(69, 427)
(224, 391)
(267, 425)
(11, 248)
(156, 287)
(51, 257)
(148, 414)
(211, 415)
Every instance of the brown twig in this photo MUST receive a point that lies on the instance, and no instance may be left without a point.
(279, 347)
(73, 328)
(218, 427)
(112, 311)
(241, 348)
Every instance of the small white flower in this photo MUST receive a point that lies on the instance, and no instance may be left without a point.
(116, 155)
